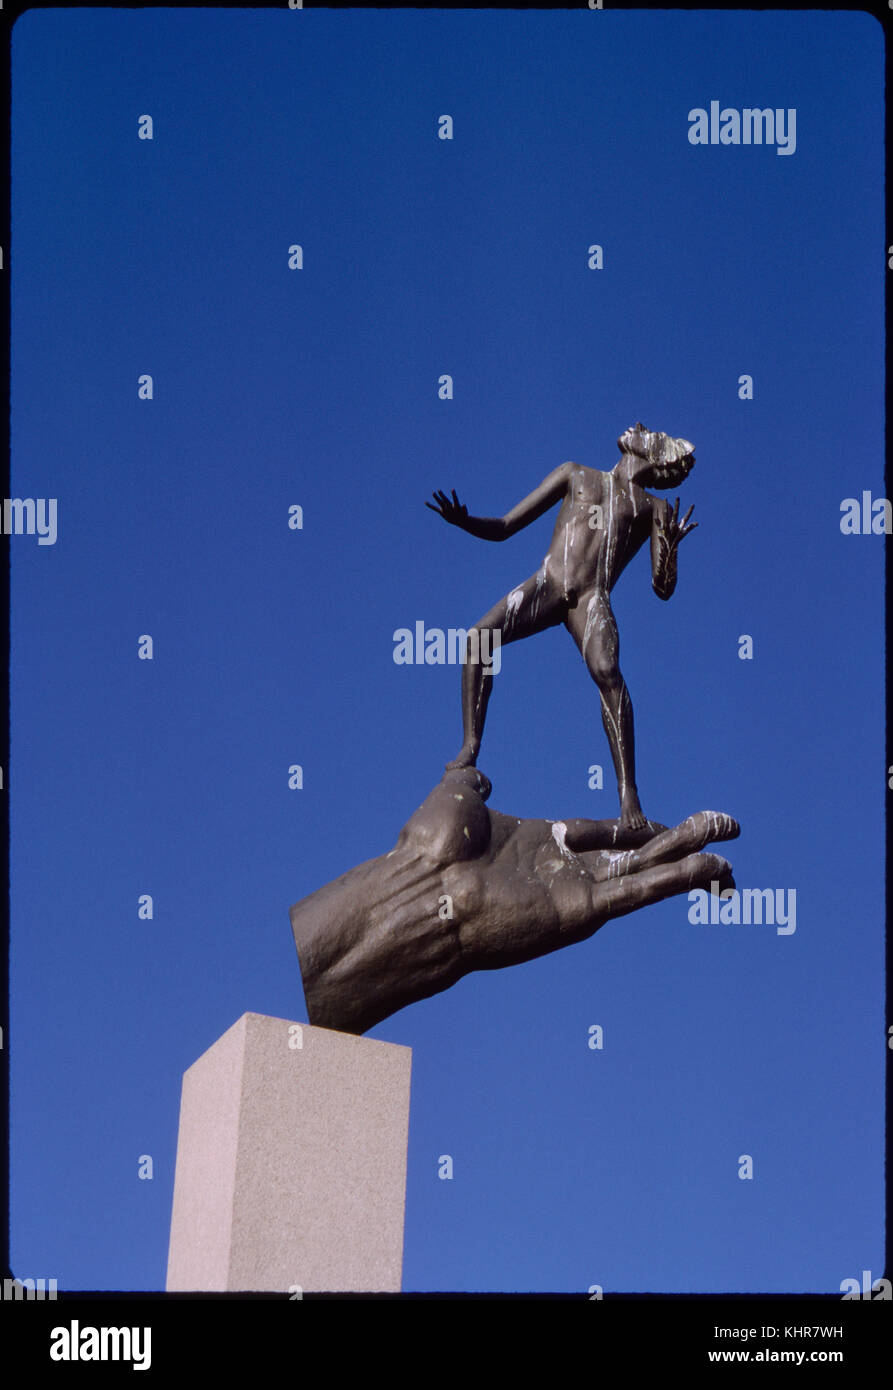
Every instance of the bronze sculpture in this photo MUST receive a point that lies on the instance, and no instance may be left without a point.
(574, 582)
(470, 888)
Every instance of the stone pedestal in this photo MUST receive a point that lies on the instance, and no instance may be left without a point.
(291, 1162)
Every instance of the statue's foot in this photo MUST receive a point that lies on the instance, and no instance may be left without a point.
(633, 818)
(466, 757)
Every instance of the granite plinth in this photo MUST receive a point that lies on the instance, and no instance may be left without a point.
(291, 1162)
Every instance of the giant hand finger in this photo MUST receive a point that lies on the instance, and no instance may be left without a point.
(620, 896)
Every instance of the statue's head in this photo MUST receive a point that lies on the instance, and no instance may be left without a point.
(669, 460)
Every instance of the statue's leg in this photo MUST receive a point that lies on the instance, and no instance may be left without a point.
(592, 626)
(530, 608)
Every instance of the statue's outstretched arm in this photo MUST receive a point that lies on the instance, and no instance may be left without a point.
(532, 507)
(499, 528)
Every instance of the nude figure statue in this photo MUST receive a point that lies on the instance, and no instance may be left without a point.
(604, 520)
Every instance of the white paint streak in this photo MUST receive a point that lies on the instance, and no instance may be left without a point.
(512, 605)
(538, 591)
(610, 538)
(618, 862)
(610, 718)
(559, 835)
(590, 619)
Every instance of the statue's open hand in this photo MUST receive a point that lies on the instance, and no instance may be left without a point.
(455, 512)
(674, 529)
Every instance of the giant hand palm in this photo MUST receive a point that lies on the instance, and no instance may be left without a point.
(468, 888)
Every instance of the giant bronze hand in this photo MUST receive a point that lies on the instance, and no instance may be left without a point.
(469, 888)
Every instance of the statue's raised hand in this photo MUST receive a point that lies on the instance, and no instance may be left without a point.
(674, 529)
(455, 512)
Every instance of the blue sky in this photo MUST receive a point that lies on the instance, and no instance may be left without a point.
(318, 387)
